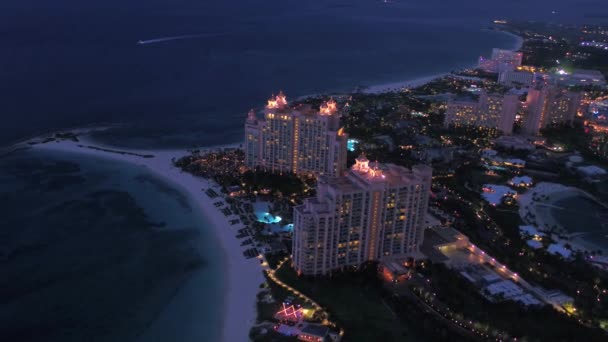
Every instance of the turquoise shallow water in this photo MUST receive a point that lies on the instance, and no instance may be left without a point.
(96, 250)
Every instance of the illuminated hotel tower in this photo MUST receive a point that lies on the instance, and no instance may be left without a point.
(498, 111)
(550, 105)
(494, 111)
(296, 139)
(501, 60)
(371, 213)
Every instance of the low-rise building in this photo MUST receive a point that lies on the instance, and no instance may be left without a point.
(514, 142)
(394, 271)
(558, 299)
(581, 77)
(591, 173)
(314, 333)
(521, 182)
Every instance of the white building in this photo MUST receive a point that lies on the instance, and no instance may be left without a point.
(554, 297)
(493, 111)
(461, 112)
(374, 212)
(514, 77)
(514, 142)
(297, 140)
(501, 60)
(581, 77)
(591, 173)
(550, 105)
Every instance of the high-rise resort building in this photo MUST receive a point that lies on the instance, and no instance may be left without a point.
(297, 139)
(493, 111)
(373, 212)
(517, 77)
(501, 60)
(550, 105)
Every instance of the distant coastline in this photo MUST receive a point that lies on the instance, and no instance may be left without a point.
(243, 277)
(420, 81)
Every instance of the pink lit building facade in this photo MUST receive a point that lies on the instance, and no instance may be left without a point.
(493, 111)
(501, 60)
(297, 140)
(373, 212)
(550, 105)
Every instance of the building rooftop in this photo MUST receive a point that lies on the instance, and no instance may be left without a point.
(527, 299)
(279, 103)
(558, 249)
(587, 72)
(591, 170)
(521, 180)
(493, 193)
(395, 267)
(341, 183)
(315, 330)
(374, 172)
(515, 142)
(506, 287)
(464, 100)
(534, 244)
(530, 230)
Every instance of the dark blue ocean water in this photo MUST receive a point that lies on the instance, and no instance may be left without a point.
(94, 251)
(66, 63)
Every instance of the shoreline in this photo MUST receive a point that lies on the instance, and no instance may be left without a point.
(422, 80)
(519, 40)
(242, 277)
(377, 88)
(239, 302)
(396, 86)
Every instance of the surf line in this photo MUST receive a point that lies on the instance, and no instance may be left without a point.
(187, 36)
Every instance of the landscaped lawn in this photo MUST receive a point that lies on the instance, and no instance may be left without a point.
(354, 301)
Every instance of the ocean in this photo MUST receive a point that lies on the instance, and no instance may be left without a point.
(94, 251)
(69, 63)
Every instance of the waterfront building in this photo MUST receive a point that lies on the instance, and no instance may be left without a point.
(373, 212)
(501, 60)
(461, 112)
(498, 111)
(550, 105)
(493, 111)
(516, 77)
(509, 57)
(296, 139)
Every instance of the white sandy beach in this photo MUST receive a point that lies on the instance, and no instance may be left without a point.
(243, 276)
(396, 86)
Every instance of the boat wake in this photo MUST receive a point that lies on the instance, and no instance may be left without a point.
(187, 36)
